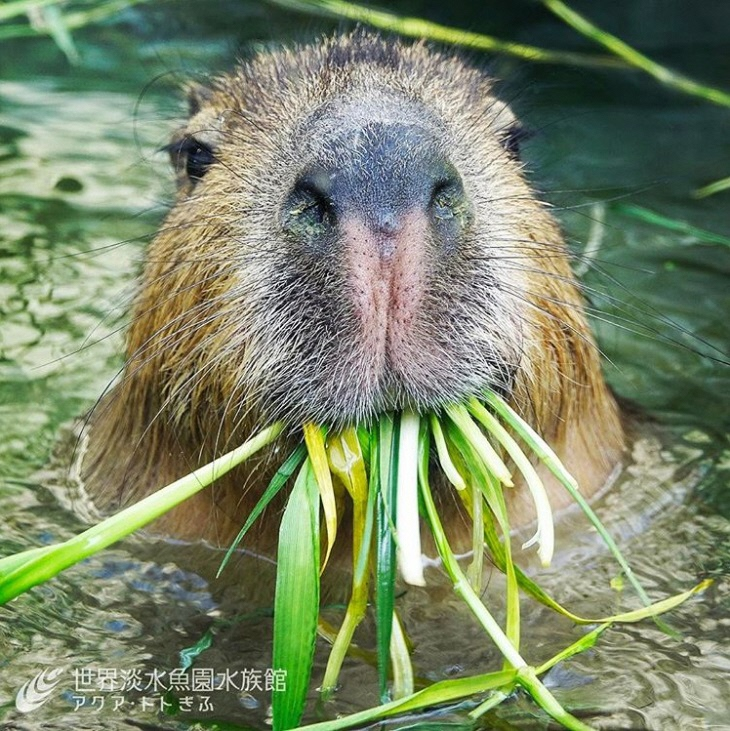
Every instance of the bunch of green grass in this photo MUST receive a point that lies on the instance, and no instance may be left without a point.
(384, 472)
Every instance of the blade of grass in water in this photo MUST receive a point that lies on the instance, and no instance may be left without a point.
(526, 676)
(666, 76)
(54, 559)
(277, 482)
(384, 466)
(296, 601)
(550, 459)
(484, 483)
(718, 186)
(671, 224)
(400, 661)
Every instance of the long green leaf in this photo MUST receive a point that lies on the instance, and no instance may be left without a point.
(296, 603)
(638, 60)
(277, 482)
(422, 28)
(384, 468)
(46, 565)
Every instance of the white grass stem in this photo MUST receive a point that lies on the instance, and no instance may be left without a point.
(407, 521)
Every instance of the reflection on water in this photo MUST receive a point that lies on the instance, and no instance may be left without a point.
(79, 175)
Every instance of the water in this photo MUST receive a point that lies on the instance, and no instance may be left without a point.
(81, 189)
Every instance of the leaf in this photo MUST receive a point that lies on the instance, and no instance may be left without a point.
(461, 419)
(318, 456)
(383, 473)
(277, 482)
(545, 535)
(296, 602)
(54, 559)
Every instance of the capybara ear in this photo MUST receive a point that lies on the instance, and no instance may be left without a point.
(198, 94)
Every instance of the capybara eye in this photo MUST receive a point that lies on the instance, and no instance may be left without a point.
(513, 138)
(198, 158)
(192, 155)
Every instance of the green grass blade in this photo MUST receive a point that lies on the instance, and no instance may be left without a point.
(347, 463)
(421, 28)
(447, 464)
(718, 186)
(550, 459)
(672, 224)
(52, 20)
(479, 443)
(400, 661)
(634, 58)
(461, 584)
(296, 603)
(385, 467)
(545, 535)
(482, 481)
(277, 482)
(59, 557)
(440, 693)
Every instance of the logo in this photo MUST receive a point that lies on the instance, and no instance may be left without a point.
(38, 690)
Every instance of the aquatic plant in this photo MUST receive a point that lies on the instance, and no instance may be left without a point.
(385, 471)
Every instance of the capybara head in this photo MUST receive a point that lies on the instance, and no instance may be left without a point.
(353, 233)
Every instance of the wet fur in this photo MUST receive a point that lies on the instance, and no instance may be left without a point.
(233, 328)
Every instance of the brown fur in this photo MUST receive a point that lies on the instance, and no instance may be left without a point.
(211, 326)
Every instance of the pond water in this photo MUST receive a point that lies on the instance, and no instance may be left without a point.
(82, 187)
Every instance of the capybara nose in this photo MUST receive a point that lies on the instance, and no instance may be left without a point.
(378, 176)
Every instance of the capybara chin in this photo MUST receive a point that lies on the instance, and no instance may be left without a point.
(353, 233)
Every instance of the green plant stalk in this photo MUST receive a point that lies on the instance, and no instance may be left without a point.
(314, 439)
(551, 461)
(384, 469)
(277, 482)
(22, 7)
(526, 676)
(638, 60)
(400, 661)
(671, 224)
(479, 443)
(420, 28)
(296, 599)
(42, 566)
(72, 20)
(545, 535)
(476, 567)
(439, 693)
(447, 465)
(483, 480)
(711, 188)
(363, 512)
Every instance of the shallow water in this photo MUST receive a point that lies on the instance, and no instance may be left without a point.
(81, 188)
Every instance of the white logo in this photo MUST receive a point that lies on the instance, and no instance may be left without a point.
(38, 690)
